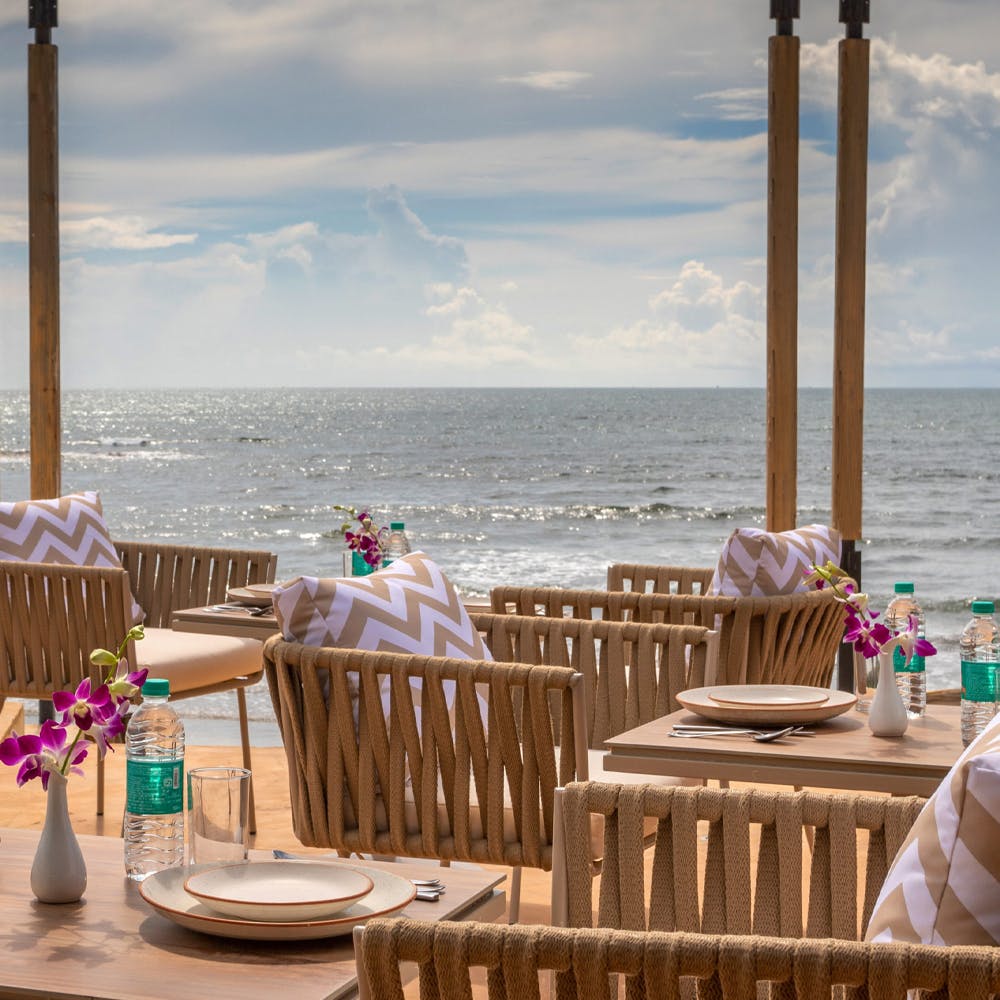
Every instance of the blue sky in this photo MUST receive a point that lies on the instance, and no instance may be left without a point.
(468, 192)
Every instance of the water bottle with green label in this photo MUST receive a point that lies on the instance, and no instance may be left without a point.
(911, 677)
(980, 652)
(154, 784)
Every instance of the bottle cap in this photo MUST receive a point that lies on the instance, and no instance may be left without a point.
(156, 687)
(904, 588)
(397, 526)
(982, 607)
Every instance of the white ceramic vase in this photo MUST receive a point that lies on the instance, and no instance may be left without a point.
(887, 715)
(58, 873)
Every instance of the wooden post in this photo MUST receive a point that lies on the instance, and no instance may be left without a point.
(849, 293)
(782, 268)
(43, 255)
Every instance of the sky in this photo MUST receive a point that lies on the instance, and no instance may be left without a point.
(470, 192)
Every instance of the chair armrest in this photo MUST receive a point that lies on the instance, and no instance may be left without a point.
(166, 577)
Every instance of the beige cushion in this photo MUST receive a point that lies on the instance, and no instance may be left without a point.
(944, 885)
(69, 530)
(409, 607)
(757, 563)
(192, 660)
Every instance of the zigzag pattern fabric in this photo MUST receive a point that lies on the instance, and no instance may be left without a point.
(69, 531)
(409, 607)
(757, 563)
(944, 883)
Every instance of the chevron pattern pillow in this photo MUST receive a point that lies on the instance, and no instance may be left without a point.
(757, 563)
(69, 530)
(944, 884)
(409, 607)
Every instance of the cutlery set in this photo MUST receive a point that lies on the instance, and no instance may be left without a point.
(253, 612)
(681, 731)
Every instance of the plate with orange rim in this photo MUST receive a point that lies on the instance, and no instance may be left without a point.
(699, 701)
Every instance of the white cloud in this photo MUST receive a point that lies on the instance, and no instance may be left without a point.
(698, 325)
(122, 233)
(552, 79)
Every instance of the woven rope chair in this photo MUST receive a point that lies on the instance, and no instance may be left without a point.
(52, 616)
(762, 640)
(519, 961)
(747, 908)
(420, 781)
(649, 579)
(632, 672)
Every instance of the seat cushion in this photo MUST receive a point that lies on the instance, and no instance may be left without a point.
(757, 563)
(944, 884)
(409, 607)
(69, 531)
(191, 660)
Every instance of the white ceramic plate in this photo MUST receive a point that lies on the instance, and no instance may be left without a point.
(257, 594)
(769, 694)
(697, 700)
(279, 890)
(164, 891)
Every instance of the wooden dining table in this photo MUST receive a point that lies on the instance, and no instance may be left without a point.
(113, 946)
(840, 753)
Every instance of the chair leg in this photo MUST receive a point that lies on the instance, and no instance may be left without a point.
(514, 907)
(241, 699)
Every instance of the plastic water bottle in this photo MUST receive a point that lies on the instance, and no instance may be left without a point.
(980, 652)
(397, 545)
(911, 678)
(154, 784)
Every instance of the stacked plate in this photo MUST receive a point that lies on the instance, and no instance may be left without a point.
(767, 704)
(276, 900)
(257, 595)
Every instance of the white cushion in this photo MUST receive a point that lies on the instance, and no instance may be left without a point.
(944, 885)
(69, 531)
(409, 607)
(192, 660)
(757, 563)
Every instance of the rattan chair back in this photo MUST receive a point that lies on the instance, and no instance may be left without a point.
(791, 639)
(632, 671)
(519, 961)
(372, 776)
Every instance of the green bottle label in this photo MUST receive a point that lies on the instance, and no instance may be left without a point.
(899, 664)
(154, 787)
(979, 681)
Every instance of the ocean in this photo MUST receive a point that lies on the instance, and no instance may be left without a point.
(545, 487)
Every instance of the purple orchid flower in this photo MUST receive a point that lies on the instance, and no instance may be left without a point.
(40, 755)
(82, 707)
(865, 633)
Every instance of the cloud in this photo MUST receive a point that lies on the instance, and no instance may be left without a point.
(742, 104)
(121, 233)
(404, 240)
(553, 79)
(697, 325)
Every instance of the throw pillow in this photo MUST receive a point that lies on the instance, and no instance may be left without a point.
(944, 883)
(69, 530)
(408, 607)
(756, 563)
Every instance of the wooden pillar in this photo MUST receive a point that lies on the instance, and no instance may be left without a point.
(849, 294)
(43, 255)
(782, 267)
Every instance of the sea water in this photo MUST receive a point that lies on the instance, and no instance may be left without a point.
(539, 486)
